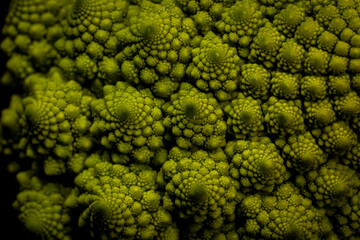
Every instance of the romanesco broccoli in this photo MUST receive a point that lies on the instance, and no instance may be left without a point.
(183, 119)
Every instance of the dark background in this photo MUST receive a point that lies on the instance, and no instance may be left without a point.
(11, 228)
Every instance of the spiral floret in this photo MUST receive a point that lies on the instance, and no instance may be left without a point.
(52, 122)
(319, 113)
(331, 185)
(283, 116)
(291, 56)
(347, 106)
(313, 87)
(285, 85)
(287, 20)
(266, 45)
(120, 201)
(302, 153)
(195, 118)
(89, 42)
(256, 164)
(254, 81)
(41, 207)
(285, 214)
(336, 138)
(30, 30)
(155, 45)
(201, 188)
(129, 121)
(244, 117)
(240, 22)
(214, 66)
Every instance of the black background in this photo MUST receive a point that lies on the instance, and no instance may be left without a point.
(11, 228)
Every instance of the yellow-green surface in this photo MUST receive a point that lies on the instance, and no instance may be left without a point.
(182, 119)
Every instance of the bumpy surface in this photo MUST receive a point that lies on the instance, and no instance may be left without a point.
(257, 164)
(201, 188)
(285, 215)
(195, 118)
(41, 207)
(183, 119)
(121, 202)
(129, 121)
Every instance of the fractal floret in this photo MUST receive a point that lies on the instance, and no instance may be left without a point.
(331, 184)
(257, 164)
(302, 153)
(129, 121)
(201, 188)
(215, 66)
(195, 119)
(51, 123)
(121, 202)
(89, 44)
(285, 214)
(244, 117)
(41, 206)
(182, 119)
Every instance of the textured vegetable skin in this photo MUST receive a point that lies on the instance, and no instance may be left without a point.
(183, 119)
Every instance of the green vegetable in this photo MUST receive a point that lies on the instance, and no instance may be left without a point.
(183, 119)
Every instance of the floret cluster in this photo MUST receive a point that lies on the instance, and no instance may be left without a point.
(184, 119)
